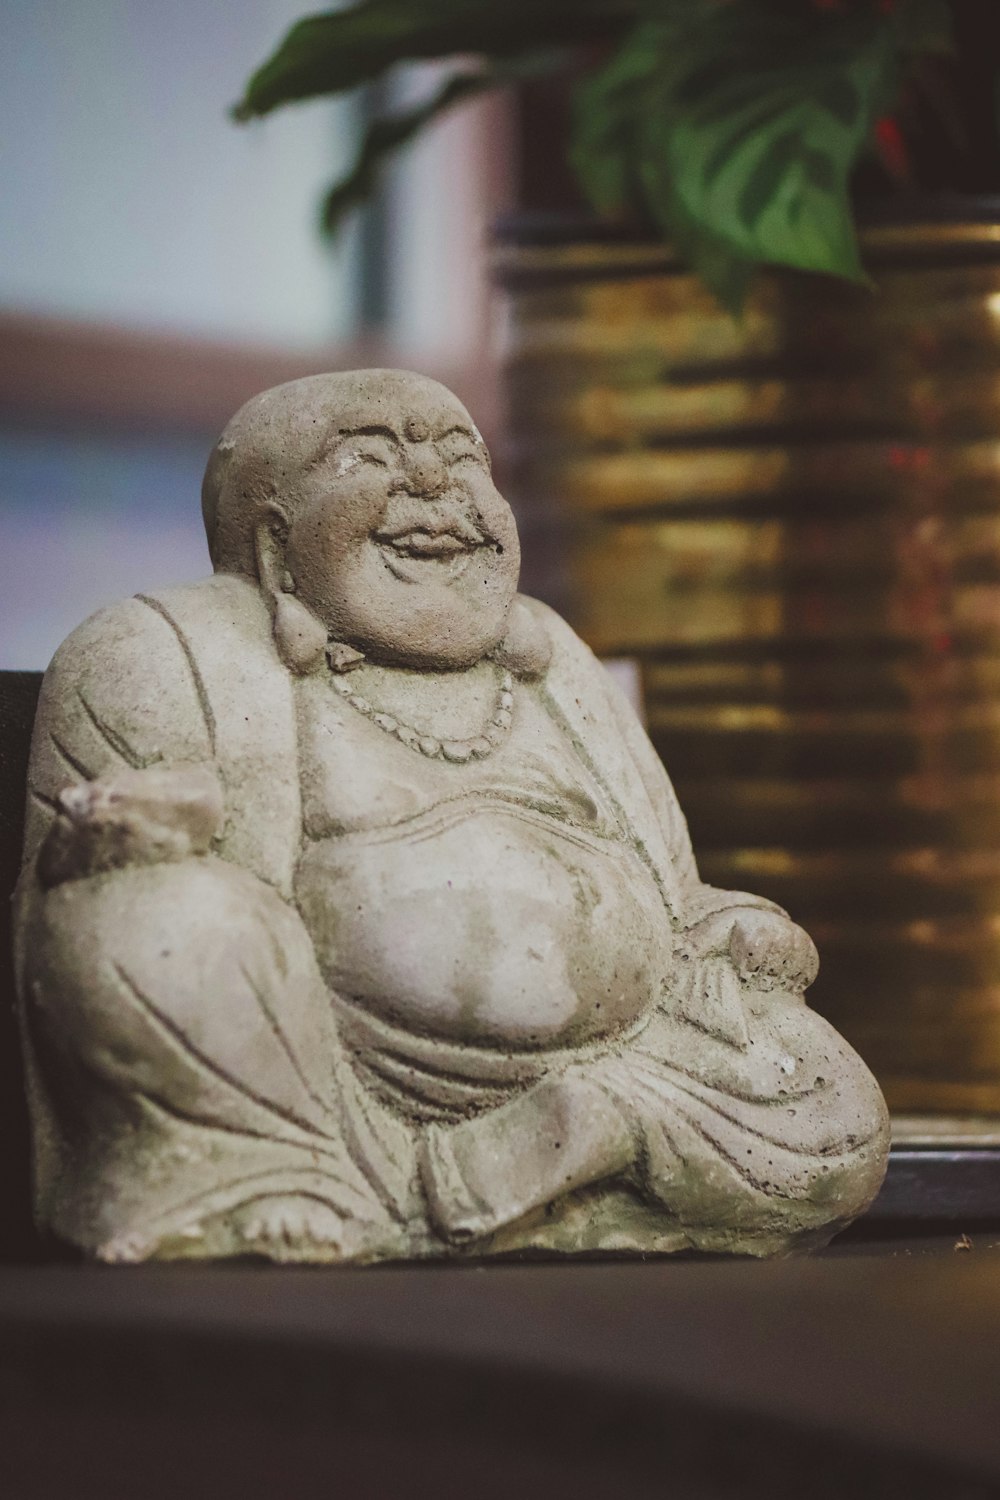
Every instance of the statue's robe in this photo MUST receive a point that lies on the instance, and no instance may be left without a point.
(158, 1112)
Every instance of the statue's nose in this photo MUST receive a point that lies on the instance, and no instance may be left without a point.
(426, 474)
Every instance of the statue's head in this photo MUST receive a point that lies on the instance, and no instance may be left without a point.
(367, 496)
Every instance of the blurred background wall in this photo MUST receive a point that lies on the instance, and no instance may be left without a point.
(158, 265)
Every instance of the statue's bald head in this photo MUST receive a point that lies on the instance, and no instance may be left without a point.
(276, 438)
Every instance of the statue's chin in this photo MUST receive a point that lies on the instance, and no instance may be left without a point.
(430, 658)
(451, 638)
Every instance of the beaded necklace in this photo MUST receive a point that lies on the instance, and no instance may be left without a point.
(476, 747)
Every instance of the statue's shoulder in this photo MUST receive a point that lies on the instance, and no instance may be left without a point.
(121, 655)
(571, 665)
(113, 633)
(143, 630)
(139, 650)
(227, 605)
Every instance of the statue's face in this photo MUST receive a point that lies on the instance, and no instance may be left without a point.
(401, 543)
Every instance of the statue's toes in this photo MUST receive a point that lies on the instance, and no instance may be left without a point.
(285, 1227)
(292, 1227)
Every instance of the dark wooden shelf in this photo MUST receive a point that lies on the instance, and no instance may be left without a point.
(869, 1376)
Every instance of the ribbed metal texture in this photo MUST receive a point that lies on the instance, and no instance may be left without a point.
(794, 521)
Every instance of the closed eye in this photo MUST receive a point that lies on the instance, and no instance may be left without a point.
(458, 449)
(367, 450)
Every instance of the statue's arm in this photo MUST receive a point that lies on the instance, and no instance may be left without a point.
(757, 934)
(121, 767)
(761, 940)
(699, 900)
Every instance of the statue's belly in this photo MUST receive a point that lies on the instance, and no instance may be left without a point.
(486, 924)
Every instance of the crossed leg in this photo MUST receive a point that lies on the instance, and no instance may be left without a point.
(750, 1150)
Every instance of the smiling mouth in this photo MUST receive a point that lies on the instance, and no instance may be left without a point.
(419, 555)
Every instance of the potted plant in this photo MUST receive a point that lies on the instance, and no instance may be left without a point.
(762, 394)
(735, 127)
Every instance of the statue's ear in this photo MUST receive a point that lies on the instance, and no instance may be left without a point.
(299, 637)
(526, 649)
(270, 536)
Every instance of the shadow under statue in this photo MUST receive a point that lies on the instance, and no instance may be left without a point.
(358, 919)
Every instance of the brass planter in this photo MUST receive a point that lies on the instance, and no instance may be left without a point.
(794, 523)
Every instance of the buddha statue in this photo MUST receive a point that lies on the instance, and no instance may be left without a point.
(358, 919)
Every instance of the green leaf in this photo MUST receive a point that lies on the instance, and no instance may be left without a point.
(726, 274)
(338, 50)
(745, 121)
(779, 191)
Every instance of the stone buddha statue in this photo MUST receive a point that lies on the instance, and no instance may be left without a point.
(358, 918)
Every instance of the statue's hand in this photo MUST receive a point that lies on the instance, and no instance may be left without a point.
(139, 817)
(773, 952)
(767, 949)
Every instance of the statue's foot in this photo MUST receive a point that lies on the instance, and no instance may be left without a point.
(492, 1170)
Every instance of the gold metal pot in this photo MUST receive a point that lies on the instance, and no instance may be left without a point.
(793, 521)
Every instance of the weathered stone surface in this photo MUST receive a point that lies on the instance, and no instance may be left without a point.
(358, 918)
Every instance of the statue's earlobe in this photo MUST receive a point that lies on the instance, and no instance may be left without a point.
(526, 649)
(299, 637)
